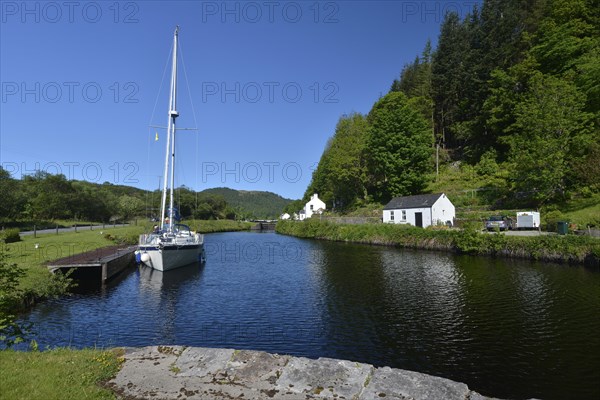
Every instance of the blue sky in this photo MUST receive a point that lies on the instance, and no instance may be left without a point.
(268, 81)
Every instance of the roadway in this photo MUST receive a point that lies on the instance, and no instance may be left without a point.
(71, 229)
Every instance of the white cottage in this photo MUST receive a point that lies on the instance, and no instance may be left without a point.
(314, 205)
(422, 210)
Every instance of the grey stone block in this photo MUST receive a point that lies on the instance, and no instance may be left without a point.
(401, 384)
(324, 378)
(147, 373)
(202, 362)
(255, 369)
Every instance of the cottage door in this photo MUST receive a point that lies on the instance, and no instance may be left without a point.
(419, 219)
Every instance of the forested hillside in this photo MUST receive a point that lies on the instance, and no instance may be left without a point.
(252, 204)
(511, 94)
(47, 197)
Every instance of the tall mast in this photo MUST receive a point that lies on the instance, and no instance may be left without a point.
(173, 114)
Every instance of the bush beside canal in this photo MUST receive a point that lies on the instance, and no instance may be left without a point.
(566, 249)
(9, 235)
(220, 225)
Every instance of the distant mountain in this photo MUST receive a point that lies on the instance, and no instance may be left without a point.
(259, 205)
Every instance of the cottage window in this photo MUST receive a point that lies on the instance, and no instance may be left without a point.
(403, 215)
(311, 207)
(391, 215)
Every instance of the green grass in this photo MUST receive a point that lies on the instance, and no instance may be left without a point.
(221, 225)
(583, 211)
(58, 374)
(38, 281)
(465, 187)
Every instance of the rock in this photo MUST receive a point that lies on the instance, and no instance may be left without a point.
(401, 384)
(202, 362)
(175, 372)
(324, 377)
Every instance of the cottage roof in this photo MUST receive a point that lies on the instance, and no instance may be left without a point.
(418, 201)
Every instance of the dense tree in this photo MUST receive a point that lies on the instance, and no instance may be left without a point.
(93, 203)
(248, 204)
(211, 206)
(448, 78)
(494, 38)
(294, 207)
(398, 148)
(506, 90)
(550, 133)
(43, 197)
(567, 44)
(340, 178)
(129, 206)
(49, 196)
(415, 82)
(12, 202)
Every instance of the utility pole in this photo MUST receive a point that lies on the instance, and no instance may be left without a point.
(437, 161)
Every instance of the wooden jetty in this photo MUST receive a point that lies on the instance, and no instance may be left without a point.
(106, 262)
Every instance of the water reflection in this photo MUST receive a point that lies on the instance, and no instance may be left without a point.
(160, 293)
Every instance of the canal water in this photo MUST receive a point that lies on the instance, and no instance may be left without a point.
(507, 328)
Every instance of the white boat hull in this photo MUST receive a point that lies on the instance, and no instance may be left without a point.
(171, 257)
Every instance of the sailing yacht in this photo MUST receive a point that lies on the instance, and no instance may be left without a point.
(172, 245)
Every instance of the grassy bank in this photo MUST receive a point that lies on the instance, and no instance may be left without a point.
(57, 374)
(566, 249)
(31, 254)
(221, 225)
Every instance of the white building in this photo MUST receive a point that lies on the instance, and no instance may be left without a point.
(422, 210)
(285, 216)
(314, 205)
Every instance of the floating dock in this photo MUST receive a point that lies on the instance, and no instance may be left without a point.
(105, 263)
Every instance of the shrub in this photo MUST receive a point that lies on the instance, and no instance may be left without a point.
(552, 218)
(11, 332)
(469, 240)
(10, 235)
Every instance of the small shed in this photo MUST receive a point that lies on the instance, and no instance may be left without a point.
(422, 210)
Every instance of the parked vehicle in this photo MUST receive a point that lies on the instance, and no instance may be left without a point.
(528, 220)
(500, 222)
